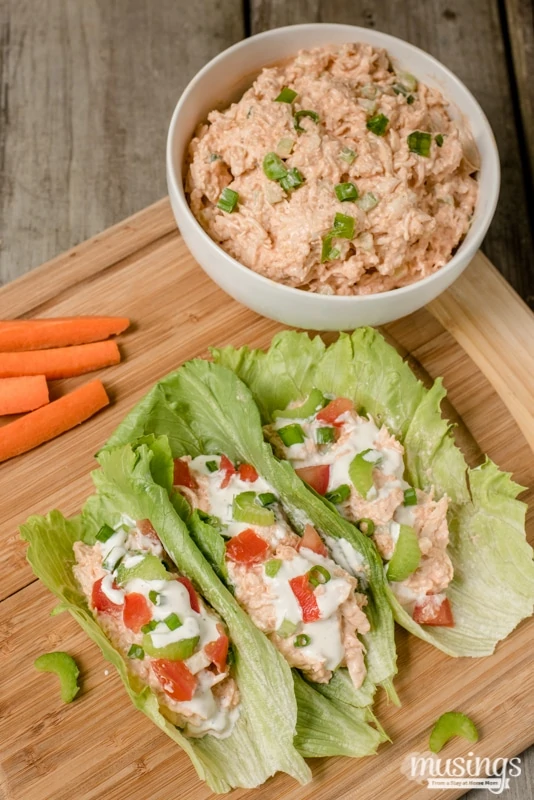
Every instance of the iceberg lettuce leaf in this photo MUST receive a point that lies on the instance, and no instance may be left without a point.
(493, 585)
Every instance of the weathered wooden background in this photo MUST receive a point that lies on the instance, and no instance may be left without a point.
(87, 88)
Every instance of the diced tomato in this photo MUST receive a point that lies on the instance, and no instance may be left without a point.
(176, 679)
(432, 612)
(193, 599)
(182, 475)
(334, 409)
(316, 477)
(228, 469)
(145, 527)
(247, 473)
(101, 601)
(247, 548)
(217, 651)
(312, 540)
(305, 597)
(136, 611)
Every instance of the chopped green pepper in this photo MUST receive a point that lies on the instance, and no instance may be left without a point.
(273, 167)
(343, 226)
(212, 466)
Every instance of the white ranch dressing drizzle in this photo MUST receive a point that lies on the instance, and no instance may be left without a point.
(346, 556)
(114, 595)
(221, 500)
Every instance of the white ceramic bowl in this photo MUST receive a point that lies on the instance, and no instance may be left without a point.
(222, 81)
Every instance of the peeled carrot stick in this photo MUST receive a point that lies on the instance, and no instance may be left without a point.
(37, 334)
(51, 420)
(61, 362)
(18, 395)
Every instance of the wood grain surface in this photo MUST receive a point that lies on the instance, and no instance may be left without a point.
(99, 746)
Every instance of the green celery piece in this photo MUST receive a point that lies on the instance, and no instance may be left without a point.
(175, 651)
(406, 556)
(361, 473)
(272, 567)
(246, 509)
(64, 666)
(149, 569)
(452, 723)
(286, 629)
(314, 402)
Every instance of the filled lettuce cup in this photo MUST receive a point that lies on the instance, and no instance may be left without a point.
(190, 659)
(269, 539)
(362, 432)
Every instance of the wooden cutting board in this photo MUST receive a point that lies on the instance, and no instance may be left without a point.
(478, 336)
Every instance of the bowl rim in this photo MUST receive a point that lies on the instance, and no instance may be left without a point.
(480, 224)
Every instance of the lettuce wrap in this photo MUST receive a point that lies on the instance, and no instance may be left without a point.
(493, 585)
(205, 409)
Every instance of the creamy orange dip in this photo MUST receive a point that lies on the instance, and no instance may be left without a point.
(370, 191)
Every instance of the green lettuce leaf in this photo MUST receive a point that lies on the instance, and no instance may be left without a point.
(205, 408)
(262, 740)
(127, 476)
(493, 585)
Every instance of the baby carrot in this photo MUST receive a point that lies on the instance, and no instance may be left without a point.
(22, 394)
(60, 362)
(51, 420)
(37, 334)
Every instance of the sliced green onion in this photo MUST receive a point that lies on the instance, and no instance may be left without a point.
(366, 526)
(285, 147)
(272, 567)
(367, 201)
(439, 140)
(299, 114)
(175, 651)
(329, 253)
(410, 497)
(406, 556)
(346, 192)
(136, 651)
(105, 533)
(64, 666)
(325, 435)
(210, 519)
(339, 495)
(407, 81)
(153, 596)
(347, 155)
(361, 473)
(377, 124)
(419, 143)
(302, 640)
(246, 509)
(274, 167)
(212, 466)
(215, 157)
(173, 621)
(287, 95)
(292, 180)
(318, 575)
(410, 99)
(291, 434)
(343, 226)
(450, 724)
(313, 403)
(286, 629)
(267, 498)
(228, 200)
(150, 626)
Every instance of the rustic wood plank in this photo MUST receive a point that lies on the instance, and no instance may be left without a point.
(520, 21)
(467, 37)
(86, 95)
(45, 746)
